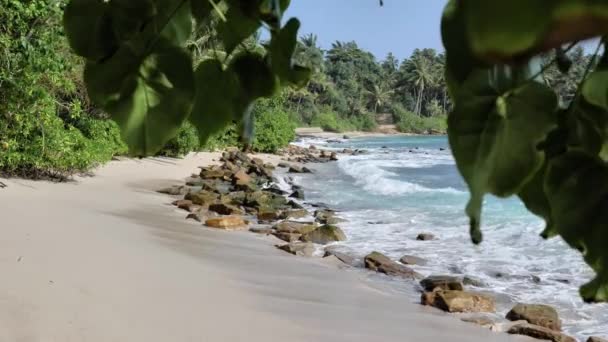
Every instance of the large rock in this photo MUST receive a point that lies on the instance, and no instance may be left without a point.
(412, 260)
(299, 194)
(186, 205)
(441, 282)
(459, 301)
(241, 178)
(425, 237)
(268, 214)
(381, 263)
(235, 198)
(468, 280)
(294, 227)
(324, 235)
(226, 209)
(175, 190)
(539, 332)
(343, 257)
(596, 339)
(537, 314)
(227, 223)
(265, 199)
(299, 169)
(203, 198)
(288, 237)
(294, 214)
(261, 229)
(298, 248)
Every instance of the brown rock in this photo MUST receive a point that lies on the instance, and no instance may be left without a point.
(596, 339)
(441, 282)
(289, 237)
(268, 214)
(201, 216)
(212, 173)
(539, 332)
(175, 190)
(537, 314)
(241, 178)
(425, 237)
(294, 214)
(226, 222)
(294, 227)
(412, 260)
(324, 235)
(298, 248)
(459, 301)
(226, 209)
(381, 263)
(185, 205)
(203, 198)
(265, 230)
(343, 257)
(333, 156)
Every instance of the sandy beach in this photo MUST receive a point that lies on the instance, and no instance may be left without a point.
(106, 258)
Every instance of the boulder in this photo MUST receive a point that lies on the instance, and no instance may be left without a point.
(175, 190)
(441, 282)
(537, 314)
(212, 173)
(298, 248)
(467, 280)
(226, 222)
(283, 165)
(201, 216)
(333, 156)
(294, 227)
(343, 257)
(235, 198)
(203, 198)
(381, 263)
(269, 214)
(459, 301)
(299, 194)
(261, 229)
(596, 339)
(412, 260)
(294, 214)
(186, 205)
(295, 169)
(276, 190)
(425, 237)
(294, 205)
(226, 209)
(324, 235)
(539, 332)
(241, 178)
(289, 237)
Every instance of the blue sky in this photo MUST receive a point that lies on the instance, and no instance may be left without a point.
(399, 27)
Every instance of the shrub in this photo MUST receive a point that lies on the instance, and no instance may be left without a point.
(364, 122)
(273, 127)
(184, 142)
(412, 123)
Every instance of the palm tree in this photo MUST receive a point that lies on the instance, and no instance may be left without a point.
(309, 53)
(422, 73)
(379, 94)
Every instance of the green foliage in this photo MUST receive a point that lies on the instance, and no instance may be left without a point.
(509, 133)
(184, 142)
(47, 128)
(140, 71)
(408, 122)
(273, 127)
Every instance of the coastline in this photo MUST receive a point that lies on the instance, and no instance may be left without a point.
(107, 258)
(383, 131)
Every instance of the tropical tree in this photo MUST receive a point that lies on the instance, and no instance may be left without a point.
(379, 94)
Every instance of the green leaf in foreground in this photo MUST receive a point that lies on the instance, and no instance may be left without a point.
(88, 27)
(577, 188)
(282, 47)
(149, 97)
(237, 27)
(494, 138)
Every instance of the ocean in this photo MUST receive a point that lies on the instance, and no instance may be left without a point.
(402, 186)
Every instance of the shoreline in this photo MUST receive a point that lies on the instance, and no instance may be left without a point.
(316, 132)
(106, 258)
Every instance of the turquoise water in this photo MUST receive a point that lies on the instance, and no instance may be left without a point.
(403, 186)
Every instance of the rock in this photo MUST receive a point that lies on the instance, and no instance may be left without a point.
(381, 263)
(294, 214)
(203, 198)
(283, 165)
(268, 214)
(539, 332)
(299, 194)
(261, 229)
(241, 178)
(441, 282)
(412, 260)
(596, 339)
(289, 237)
(333, 156)
(347, 151)
(175, 190)
(295, 205)
(226, 222)
(184, 205)
(296, 169)
(265, 199)
(226, 209)
(212, 173)
(324, 235)
(345, 137)
(298, 248)
(201, 216)
(294, 227)
(306, 170)
(276, 190)
(537, 314)
(425, 237)
(235, 198)
(485, 322)
(459, 301)
(473, 282)
(345, 258)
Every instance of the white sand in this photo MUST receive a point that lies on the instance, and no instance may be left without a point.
(108, 259)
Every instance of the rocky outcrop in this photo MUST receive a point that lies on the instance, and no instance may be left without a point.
(298, 248)
(441, 282)
(412, 260)
(324, 235)
(537, 314)
(540, 333)
(379, 262)
(227, 223)
(425, 237)
(596, 339)
(459, 301)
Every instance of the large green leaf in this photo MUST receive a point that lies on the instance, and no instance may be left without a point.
(282, 47)
(238, 26)
(577, 189)
(216, 98)
(149, 97)
(256, 78)
(494, 138)
(129, 17)
(174, 20)
(88, 27)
